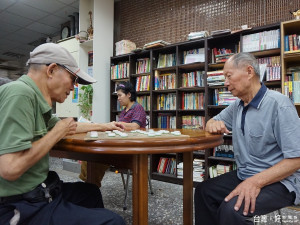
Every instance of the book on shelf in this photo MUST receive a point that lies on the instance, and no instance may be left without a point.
(292, 42)
(166, 121)
(143, 65)
(142, 83)
(193, 79)
(225, 150)
(215, 78)
(166, 60)
(193, 100)
(220, 32)
(119, 71)
(194, 55)
(164, 81)
(270, 68)
(193, 122)
(166, 101)
(212, 171)
(155, 44)
(221, 55)
(261, 41)
(144, 101)
(291, 84)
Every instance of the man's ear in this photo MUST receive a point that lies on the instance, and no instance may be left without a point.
(250, 71)
(51, 69)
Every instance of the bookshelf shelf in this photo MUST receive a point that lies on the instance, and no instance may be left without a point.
(120, 80)
(164, 91)
(265, 53)
(192, 66)
(215, 66)
(164, 111)
(140, 74)
(272, 83)
(181, 71)
(217, 106)
(221, 158)
(191, 89)
(143, 93)
(216, 86)
(191, 110)
(170, 68)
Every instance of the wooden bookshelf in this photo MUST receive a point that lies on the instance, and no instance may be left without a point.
(289, 57)
(229, 41)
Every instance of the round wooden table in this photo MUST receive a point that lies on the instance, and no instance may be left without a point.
(132, 153)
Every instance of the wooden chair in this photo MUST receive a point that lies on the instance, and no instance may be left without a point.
(125, 184)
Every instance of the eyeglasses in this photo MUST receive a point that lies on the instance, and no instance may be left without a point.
(74, 78)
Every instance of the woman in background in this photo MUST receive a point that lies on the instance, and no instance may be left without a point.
(133, 117)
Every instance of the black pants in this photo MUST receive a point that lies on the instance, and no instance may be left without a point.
(79, 203)
(211, 209)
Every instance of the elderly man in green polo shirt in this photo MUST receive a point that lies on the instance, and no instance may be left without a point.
(29, 193)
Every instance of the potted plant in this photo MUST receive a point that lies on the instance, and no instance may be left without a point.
(86, 101)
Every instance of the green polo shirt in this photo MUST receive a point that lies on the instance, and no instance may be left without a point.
(25, 117)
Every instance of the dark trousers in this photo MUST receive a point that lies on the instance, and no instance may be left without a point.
(211, 209)
(79, 203)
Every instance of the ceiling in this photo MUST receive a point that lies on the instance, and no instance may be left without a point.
(25, 24)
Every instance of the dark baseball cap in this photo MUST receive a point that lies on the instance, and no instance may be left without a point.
(54, 53)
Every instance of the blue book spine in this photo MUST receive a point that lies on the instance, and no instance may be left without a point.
(286, 43)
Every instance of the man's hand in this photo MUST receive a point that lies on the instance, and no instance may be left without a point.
(67, 126)
(114, 126)
(216, 127)
(246, 191)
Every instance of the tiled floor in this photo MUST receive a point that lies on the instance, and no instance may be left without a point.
(165, 206)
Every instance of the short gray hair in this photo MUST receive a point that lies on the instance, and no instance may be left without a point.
(244, 59)
(4, 80)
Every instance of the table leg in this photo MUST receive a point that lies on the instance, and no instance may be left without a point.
(140, 189)
(188, 188)
(90, 176)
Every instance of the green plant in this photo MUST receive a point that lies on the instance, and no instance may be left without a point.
(86, 101)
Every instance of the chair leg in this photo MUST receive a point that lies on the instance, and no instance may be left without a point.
(279, 213)
(150, 184)
(126, 190)
(123, 180)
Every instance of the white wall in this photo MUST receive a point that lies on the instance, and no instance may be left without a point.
(103, 50)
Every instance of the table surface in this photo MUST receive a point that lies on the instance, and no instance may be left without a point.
(191, 140)
(132, 154)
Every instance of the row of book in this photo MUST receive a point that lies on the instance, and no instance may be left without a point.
(119, 71)
(270, 68)
(193, 122)
(166, 101)
(261, 41)
(142, 83)
(193, 79)
(194, 55)
(166, 166)
(222, 96)
(198, 170)
(224, 150)
(166, 60)
(220, 169)
(143, 65)
(292, 84)
(193, 100)
(215, 78)
(292, 42)
(221, 55)
(164, 81)
(144, 100)
(166, 121)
